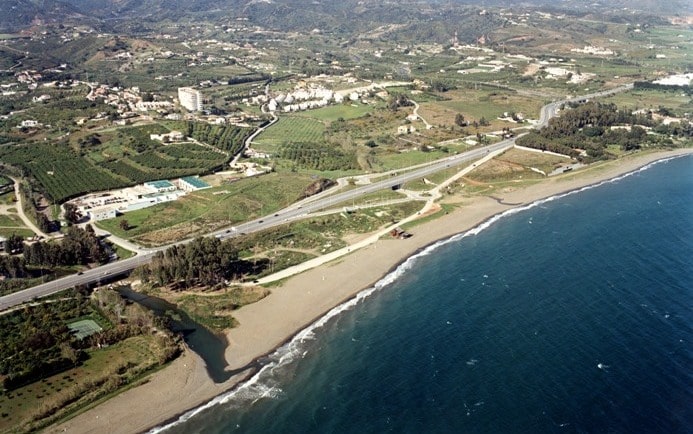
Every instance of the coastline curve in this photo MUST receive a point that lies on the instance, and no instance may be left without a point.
(261, 385)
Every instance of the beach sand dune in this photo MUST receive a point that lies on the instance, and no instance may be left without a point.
(300, 300)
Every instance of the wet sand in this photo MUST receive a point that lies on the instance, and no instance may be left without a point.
(303, 298)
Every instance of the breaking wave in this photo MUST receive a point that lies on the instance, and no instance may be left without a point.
(265, 382)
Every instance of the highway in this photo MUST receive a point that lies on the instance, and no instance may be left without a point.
(107, 272)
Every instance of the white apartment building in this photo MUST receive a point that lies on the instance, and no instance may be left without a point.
(190, 98)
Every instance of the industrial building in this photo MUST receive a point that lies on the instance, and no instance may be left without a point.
(192, 183)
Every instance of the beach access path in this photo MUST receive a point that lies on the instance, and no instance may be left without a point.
(305, 297)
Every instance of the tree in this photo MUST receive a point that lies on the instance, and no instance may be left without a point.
(459, 120)
(71, 214)
(124, 225)
(14, 244)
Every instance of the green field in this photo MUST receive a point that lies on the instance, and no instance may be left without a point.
(289, 129)
(10, 220)
(22, 232)
(400, 160)
(21, 405)
(335, 112)
(318, 235)
(10, 224)
(675, 100)
(215, 311)
(475, 104)
(206, 210)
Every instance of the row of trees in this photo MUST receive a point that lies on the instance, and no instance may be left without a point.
(226, 137)
(203, 262)
(30, 208)
(79, 246)
(13, 267)
(318, 156)
(588, 127)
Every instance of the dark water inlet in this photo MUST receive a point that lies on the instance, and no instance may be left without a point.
(208, 345)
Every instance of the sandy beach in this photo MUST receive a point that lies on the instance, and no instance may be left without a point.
(301, 299)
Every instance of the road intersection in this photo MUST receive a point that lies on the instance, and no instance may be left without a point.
(294, 212)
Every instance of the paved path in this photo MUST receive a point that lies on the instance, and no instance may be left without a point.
(416, 112)
(435, 194)
(20, 212)
(250, 139)
(470, 159)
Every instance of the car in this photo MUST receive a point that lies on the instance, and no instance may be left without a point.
(261, 221)
(276, 215)
(79, 273)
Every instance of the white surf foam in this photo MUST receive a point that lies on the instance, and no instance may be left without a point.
(262, 385)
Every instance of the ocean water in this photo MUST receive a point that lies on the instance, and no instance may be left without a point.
(574, 315)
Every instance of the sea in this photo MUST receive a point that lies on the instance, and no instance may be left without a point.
(571, 315)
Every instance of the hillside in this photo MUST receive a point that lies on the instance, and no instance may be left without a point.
(347, 16)
(18, 14)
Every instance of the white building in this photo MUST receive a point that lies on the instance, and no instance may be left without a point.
(190, 98)
(192, 183)
(103, 212)
(29, 123)
(406, 129)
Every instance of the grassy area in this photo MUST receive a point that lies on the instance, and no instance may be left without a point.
(23, 232)
(10, 220)
(316, 235)
(206, 210)
(514, 165)
(335, 112)
(387, 161)
(11, 224)
(676, 101)
(374, 198)
(445, 208)
(431, 180)
(289, 129)
(8, 198)
(104, 369)
(214, 311)
(545, 162)
(122, 252)
(474, 104)
(497, 170)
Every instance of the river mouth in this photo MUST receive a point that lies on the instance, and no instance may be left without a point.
(205, 343)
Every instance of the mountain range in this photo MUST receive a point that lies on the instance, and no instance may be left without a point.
(16, 15)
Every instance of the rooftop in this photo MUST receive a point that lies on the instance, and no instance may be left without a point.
(195, 182)
(159, 184)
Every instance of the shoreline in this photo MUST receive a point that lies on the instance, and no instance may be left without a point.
(302, 303)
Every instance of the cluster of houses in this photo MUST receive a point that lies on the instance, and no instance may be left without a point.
(127, 101)
(597, 51)
(303, 98)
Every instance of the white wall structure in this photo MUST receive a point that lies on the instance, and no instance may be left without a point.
(190, 98)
